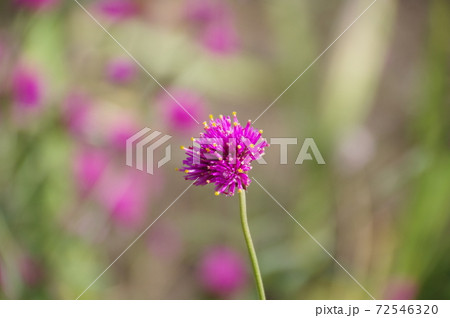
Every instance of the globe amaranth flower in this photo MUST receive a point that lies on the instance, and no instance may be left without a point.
(223, 154)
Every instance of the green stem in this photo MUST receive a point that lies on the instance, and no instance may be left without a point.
(251, 249)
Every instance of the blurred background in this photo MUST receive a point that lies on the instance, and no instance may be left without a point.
(377, 104)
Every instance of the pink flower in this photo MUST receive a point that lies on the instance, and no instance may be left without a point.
(226, 162)
(27, 88)
(125, 194)
(220, 37)
(121, 71)
(118, 10)
(120, 132)
(217, 30)
(37, 4)
(89, 165)
(77, 110)
(222, 271)
(176, 117)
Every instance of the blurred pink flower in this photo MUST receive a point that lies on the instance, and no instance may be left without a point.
(125, 194)
(176, 117)
(220, 37)
(37, 4)
(77, 109)
(218, 33)
(121, 70)
(27, 87)
(89, 165)
(120, 132)
(118, 10)
(222, 271)
(401, 289)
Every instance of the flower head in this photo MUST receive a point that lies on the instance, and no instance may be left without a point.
(121, 71)
(178, 119)
(220, 37)
(223, 154)
(125, 196)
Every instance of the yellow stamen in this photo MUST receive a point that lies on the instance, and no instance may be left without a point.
(186, 171)
(208, 150)
(239, 146)
(252, 146)
(213, 124)
(211, 116)
(239, 190)
(261, 131)
(192, 139)
(235, 123)
(182, 147)
(208, 181)
(216, 193)
(234, 113)
(240, 170)
(221, 116)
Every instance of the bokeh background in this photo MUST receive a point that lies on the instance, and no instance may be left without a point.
(376, 103)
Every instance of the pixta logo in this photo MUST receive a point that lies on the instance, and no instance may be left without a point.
(141, 147)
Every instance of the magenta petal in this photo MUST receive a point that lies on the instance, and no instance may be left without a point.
(223, 155)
